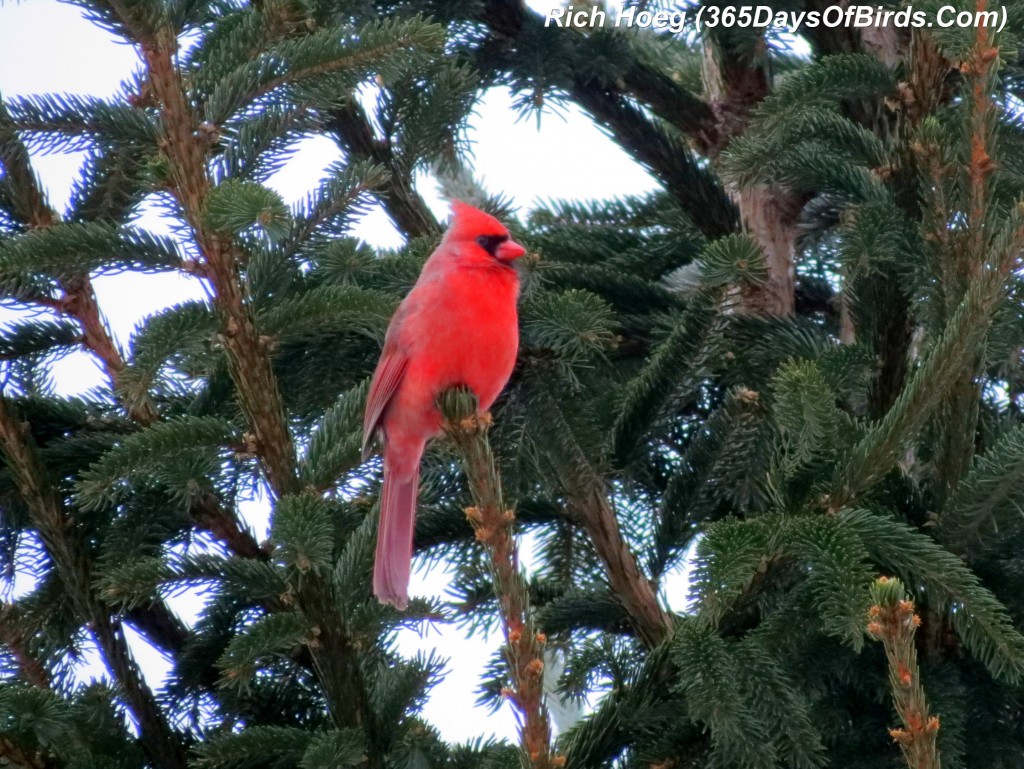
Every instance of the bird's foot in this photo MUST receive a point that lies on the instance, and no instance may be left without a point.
(477, 423)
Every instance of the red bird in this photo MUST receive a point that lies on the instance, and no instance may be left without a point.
(458, 326)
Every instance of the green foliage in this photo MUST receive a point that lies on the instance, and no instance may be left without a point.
(336, 445)
(337, 748)
(140, 580)
(574, 325)
(341, 197)
(68, 123)
(987, 503)
(303, 532)
(949, 586)
(874, 454)
(68, 249)
(178, 453)
(38, 337)
(178, 338)
(805, 410)
(269, 746)
(717, 472)
(235, 206)
(273, 634)
(715, 696)
(838, 574)
(337, 57)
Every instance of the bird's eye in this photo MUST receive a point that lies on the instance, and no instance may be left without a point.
(490, 243)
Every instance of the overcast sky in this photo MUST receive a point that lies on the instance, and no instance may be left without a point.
(47, 46)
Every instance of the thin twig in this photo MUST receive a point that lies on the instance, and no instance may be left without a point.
(893, 622)
(493, 524)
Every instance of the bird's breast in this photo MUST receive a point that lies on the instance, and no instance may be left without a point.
(465, 331)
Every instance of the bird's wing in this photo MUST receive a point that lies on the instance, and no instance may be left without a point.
(386, 379)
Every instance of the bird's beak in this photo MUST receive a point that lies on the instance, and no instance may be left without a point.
(509, 250)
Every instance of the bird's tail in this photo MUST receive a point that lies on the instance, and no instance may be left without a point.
(397, 521)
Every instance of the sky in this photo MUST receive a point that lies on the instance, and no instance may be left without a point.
(46, 46)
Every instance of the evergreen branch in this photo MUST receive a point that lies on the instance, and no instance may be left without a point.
(339, 196)
(236, 205)
(693, 117)
(286, 744)
(329, 308)
(68, 252)
(135, 581)
(132, 20)
(715, 696)
(493, 525)
(893, 622)
(978, 617)
(183, 331)
(385, 47)
(335, 658)
(423, 115)
(398, 195)
(790, 718)
(231, 43)
(79, 301)
(645, 397)
(38, 337)
(731, 556)
(605, 87)
(72, 248)
(575, 325)
(985, 507)
(69, 123)
(248, 361)
(876, 453)
(23, 187)
(620, 288)
(591, 507)
(111, 186)
(805, 411)
(973, 250)
(15, 638)
(831, 80)
(334, 650)
(19, 758)
(981, 71)
(760, 156)
(726, 262)
(336, 445)
(611, 729)
(339, 748)
(839, 572)
(689, 181)
(256, 146)
(588, 505)
(60, 536)
(270, 635)
(580, 609)
(304, 533)
(148, 451)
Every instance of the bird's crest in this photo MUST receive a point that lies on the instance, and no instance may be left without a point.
(468, 222)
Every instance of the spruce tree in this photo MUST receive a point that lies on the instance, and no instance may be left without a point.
(797, 365)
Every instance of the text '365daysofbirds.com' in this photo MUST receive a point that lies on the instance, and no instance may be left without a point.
(764, 16)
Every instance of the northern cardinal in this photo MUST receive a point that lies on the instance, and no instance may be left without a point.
(458, 326)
